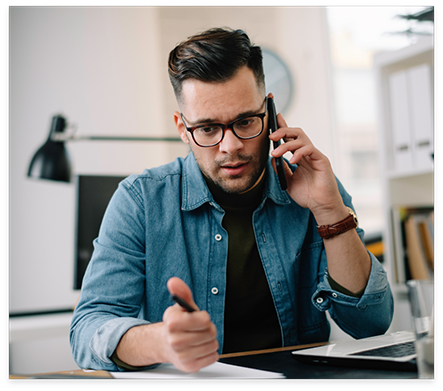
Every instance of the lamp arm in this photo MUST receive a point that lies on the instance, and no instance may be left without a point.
(72, 137)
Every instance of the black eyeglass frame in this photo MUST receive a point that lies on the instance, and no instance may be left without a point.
(228, 126)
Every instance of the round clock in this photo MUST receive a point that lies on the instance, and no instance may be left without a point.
(278, 80)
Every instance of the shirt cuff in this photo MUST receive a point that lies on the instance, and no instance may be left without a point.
(127, 367)
(373, 294)
(339, 288)
(106, 338)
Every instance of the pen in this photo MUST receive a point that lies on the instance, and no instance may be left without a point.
(182, 303)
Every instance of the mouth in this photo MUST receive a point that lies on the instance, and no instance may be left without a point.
(234, 169)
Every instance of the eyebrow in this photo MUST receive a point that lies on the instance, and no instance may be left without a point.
(214, 121)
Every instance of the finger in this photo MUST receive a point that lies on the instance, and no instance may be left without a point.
(195, 365)
(288, 171)
(281, 121)
(198, 351)
(200, 337)
(288, 134)
(177, 320)
(207, 360)
(279, 134)
(189, 340)
(288, 146)
(308, 151)
(178, 287)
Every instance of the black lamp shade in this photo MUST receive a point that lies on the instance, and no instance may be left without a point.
(51, 161)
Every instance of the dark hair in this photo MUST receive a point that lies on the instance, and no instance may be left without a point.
(214, 56)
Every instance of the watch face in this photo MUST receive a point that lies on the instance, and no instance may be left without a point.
(353, 214)
(278, 80)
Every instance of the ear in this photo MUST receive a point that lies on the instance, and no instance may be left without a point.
(181, 127)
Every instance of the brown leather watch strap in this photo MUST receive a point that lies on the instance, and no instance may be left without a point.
(329, 231)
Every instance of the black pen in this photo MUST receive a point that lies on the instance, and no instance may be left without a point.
(182, 303)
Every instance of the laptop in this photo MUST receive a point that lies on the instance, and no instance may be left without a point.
(395, 351)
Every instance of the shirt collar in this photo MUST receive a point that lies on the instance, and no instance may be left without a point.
(273, 189)
(195, 191)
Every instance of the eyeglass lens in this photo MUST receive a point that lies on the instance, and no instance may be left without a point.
(243, 128)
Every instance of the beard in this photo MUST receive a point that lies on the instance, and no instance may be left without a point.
(237, 184)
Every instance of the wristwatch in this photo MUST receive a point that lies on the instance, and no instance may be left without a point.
(329, 231)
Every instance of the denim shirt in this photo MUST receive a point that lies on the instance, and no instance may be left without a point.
(165, 223)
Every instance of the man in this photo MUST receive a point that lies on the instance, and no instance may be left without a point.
(217, 230)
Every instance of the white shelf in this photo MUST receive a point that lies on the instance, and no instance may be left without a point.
(38, 326)
(408, 174)
(404, 82)
(405, 57)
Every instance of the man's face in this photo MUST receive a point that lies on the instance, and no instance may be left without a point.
(235, 165)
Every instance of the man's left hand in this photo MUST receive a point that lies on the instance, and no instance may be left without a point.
(313, 184)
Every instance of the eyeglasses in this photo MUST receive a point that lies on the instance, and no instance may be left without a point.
(245, 128)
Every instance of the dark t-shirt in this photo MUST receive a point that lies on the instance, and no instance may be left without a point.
(250, 320)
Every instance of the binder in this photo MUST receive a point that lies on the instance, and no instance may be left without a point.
(412, 123)
(400, 123)
(413, 242)
(418, 265)
(421, 113)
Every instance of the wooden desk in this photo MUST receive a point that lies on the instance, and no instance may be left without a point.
(274, 360)
(80, 373)
(275, 350)
(74, 374)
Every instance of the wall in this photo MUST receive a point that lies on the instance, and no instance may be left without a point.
(94, 65)
(105, 70)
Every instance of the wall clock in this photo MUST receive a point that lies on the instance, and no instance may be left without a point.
(278, 80)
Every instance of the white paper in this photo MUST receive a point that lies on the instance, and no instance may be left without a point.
(217, 370)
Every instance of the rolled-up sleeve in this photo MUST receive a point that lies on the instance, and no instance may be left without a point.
(365, 316)
(113, 287)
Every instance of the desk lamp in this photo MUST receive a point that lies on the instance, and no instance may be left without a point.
(51, 161)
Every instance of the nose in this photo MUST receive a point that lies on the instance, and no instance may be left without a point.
(230, 143)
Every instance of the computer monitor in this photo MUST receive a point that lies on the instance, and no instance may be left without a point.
(93, 195)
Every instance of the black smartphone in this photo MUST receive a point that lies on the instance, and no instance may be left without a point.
(272, 128)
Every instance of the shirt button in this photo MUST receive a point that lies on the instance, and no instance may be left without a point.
(218, 237)
(214, 291)
(319, 300)
(334, 294)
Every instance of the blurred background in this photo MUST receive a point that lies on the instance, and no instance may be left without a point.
(105, 70)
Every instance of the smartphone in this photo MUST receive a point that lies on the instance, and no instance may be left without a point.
(272, 128)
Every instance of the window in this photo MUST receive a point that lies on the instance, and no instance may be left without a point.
(355, 34)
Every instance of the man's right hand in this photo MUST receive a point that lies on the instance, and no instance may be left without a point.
(186, 339)
(190, 338)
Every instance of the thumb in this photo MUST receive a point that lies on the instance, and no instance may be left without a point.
(274, 166)
(288, 171)
(178, 287)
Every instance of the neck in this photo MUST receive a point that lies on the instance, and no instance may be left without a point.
(256, 183)
(249, 197)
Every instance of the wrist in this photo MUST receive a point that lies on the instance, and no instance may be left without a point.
(328, 216)
(328, 231)
(141, 346)
(157, 348)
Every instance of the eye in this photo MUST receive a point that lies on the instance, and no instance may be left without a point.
(245, 122)
(207, 129)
